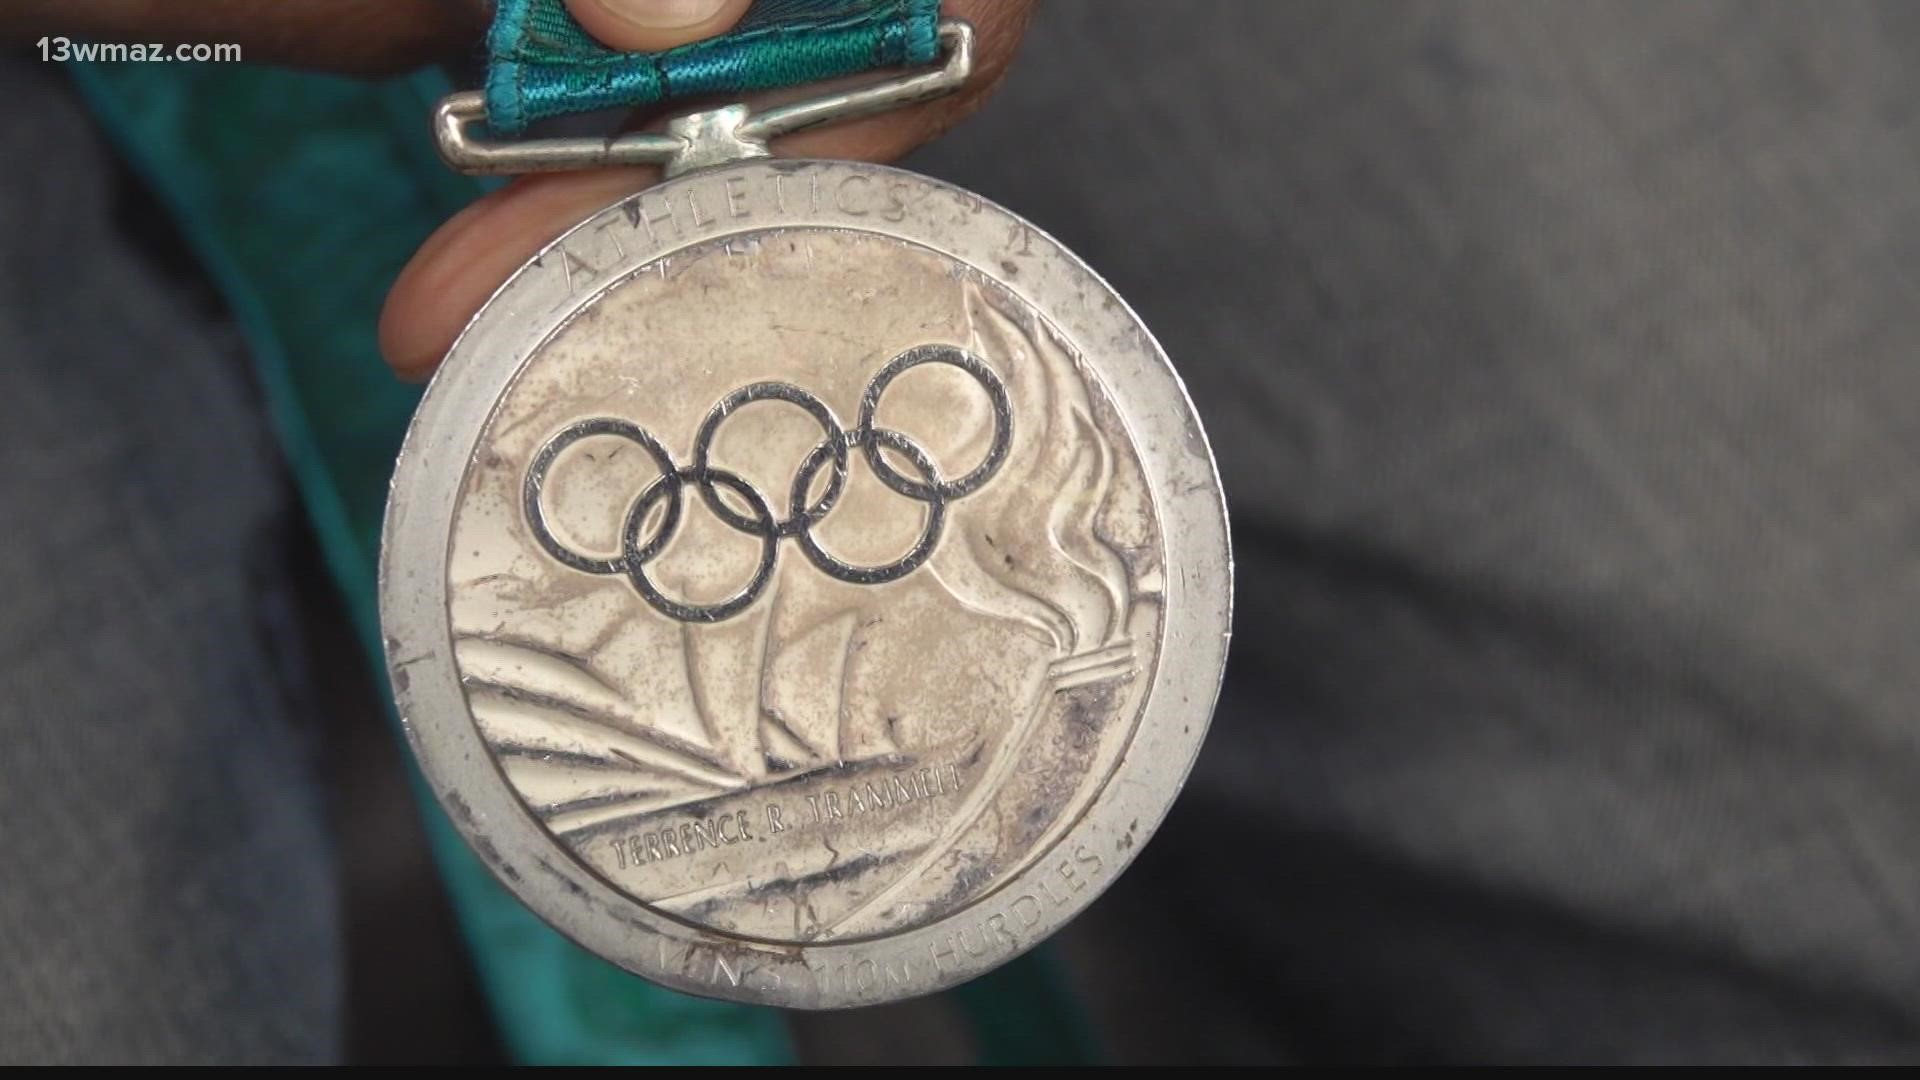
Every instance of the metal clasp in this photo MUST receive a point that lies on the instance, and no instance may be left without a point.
(697, 140)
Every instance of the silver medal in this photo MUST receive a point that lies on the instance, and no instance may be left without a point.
(805, 583)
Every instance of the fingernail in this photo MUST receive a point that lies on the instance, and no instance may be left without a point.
(663, 14)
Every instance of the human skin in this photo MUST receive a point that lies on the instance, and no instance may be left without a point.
(472, 253)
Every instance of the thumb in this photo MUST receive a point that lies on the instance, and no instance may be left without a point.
(652, 25)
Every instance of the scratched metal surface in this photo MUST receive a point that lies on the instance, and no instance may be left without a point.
(806, 584)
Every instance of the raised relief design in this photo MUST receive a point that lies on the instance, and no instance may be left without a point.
(666, 493)
(857, 739)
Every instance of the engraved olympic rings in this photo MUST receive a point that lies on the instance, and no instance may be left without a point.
(760, 520)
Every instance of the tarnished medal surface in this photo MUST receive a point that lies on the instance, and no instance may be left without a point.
(806, 583)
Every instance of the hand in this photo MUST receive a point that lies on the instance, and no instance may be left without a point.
(469, 257)
(472, 254)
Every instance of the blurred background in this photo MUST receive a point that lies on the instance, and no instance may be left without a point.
(1561, 363)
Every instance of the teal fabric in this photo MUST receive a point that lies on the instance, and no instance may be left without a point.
(542, 64)
(303, 196)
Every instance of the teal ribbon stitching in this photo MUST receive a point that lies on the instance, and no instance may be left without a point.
(542, 64)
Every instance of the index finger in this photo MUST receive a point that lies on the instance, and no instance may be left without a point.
(653, 25)
(470, 256)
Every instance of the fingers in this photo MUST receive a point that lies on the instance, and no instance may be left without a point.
(653, 25)
(469, 257)
(475, 252)
(359, 36)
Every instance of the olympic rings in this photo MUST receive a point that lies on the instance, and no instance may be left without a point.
(537, 478)
(935, 487)
(761, 521)
(637, 564)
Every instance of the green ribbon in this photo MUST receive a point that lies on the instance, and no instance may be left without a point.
(542, 64)
(302, 226)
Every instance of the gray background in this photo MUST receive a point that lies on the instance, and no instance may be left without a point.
(1560, 360)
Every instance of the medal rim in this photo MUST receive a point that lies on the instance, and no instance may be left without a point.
(454, 415)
